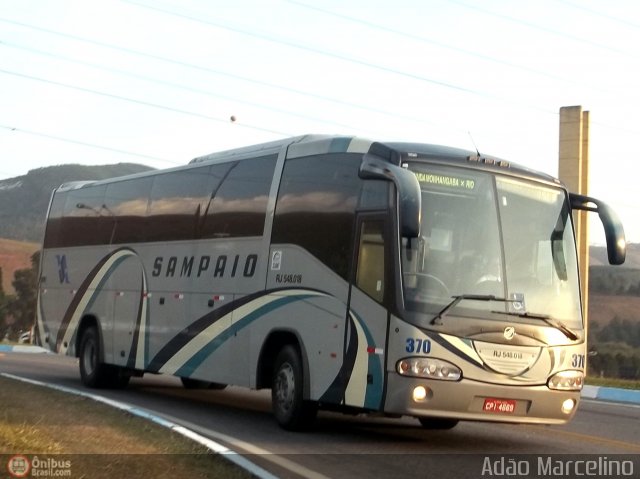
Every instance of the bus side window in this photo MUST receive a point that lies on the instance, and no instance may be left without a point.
(178, 201)
(125, 210)
(370, 274)
(239, 205)
(83, 222)
(53, 237)
(316, 207)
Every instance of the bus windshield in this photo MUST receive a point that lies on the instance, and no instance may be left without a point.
(495, 236)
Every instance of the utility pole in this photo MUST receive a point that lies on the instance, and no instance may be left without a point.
(574, 173)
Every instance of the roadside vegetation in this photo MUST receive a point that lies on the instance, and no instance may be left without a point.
(613, 383)
(99, 441)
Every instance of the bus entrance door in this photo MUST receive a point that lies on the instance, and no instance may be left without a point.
(368, 317)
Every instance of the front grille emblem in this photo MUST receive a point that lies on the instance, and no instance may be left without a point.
(509, 332)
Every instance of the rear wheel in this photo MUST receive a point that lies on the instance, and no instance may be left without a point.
(289, 407)
(93, 372)
(438, 423)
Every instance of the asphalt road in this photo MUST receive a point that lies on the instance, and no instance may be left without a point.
(344, 446)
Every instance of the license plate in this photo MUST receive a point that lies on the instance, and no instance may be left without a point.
(499, 406)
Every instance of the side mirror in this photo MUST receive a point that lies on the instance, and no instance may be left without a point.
(613, 229)
(407, 186)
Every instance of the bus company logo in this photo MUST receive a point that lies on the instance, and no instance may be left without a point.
(509, 333)
(19, 466)
(63, 270)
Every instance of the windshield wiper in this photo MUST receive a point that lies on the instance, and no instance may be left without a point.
(437, 319)
(569, 333)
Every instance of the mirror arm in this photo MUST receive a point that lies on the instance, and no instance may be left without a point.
(614, 231)
(374, 167)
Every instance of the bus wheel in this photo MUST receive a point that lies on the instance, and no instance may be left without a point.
(289, 408)
(189, 383)
(437, 423)
(93, 372)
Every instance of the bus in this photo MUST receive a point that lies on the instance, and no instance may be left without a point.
(395, 279)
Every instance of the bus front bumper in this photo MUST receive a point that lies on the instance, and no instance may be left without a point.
(476, 401)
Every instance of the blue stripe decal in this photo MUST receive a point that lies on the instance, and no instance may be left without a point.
(197, 359)
(438, 339)
(373, 395)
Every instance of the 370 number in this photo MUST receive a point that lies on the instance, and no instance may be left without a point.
(418, 345)
(577, 361)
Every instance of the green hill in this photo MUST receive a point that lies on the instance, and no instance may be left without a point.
(24, 199)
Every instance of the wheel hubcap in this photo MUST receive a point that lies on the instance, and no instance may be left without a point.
(285, 387)
(90, 357)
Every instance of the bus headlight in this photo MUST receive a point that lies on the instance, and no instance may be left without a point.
(566, 381)
(430, 368)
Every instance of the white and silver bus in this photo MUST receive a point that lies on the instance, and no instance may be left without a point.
(344, 274)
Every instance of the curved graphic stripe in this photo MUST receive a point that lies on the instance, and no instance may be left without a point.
(196, 328)
(187, 350)
(464, 346)
(458, 347)
(42, 331)
(335, 392)
(351, 386)
(245, 320)
(86, 295)
(359, 392)
(138, 354)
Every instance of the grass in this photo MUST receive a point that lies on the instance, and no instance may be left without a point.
(614, 383)
(100, 441)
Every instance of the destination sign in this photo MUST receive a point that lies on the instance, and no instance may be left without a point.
(456, 182)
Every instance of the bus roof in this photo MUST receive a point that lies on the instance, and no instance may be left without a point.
(395, 152)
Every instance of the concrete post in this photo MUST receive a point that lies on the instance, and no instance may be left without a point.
(574, 172)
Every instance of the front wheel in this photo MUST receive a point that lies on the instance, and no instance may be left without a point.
(289, 408)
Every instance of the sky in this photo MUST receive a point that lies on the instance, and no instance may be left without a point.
(157, 81)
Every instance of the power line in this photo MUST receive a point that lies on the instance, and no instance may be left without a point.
(170, 84)
(138, 102)
(600, 14)
(535, 26)
(312, 49)
(436, 43)
(86, 144)
(271, 85)
(344, 58)
(225, 74)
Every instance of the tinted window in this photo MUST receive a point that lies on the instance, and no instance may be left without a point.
(370, 274)
(125, 210)
(316, 207)
(53, 233)
(240, 203)
(83, 222)
(178, 203)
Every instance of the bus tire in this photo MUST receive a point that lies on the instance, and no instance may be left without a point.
(437, 423)
(290, 409)
(189, 383)
(93, 372)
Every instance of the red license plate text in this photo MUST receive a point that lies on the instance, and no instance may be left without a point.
(499, 406)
